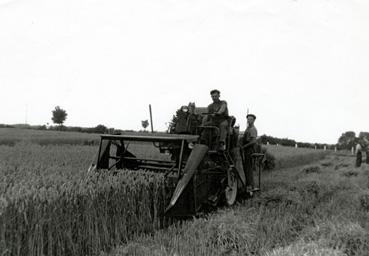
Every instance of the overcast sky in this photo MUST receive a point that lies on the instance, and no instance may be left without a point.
(302, 66)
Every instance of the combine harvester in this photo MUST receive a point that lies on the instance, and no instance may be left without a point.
(197, 173)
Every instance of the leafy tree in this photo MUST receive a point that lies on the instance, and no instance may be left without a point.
(101, 129)
(347, 140)
(59, 115)
(145, 124)
(363, 134)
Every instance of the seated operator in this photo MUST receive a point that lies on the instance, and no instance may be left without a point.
(218, 111)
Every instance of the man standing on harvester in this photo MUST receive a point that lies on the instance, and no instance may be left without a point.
(249, 146)
(218, 111)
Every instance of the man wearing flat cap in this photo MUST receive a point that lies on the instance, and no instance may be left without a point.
(219, 116)
(249, 146)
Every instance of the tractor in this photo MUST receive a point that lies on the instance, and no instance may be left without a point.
(198, 175)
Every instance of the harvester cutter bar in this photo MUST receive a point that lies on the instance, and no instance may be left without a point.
(149, 160)
(146, 161)
(157, 168)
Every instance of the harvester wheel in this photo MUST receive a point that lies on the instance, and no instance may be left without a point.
(231, 189)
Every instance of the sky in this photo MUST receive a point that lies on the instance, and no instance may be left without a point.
(301, 66)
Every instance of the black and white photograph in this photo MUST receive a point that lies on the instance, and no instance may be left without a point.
(184, 128)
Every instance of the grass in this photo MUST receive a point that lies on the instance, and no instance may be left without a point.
(49, 205)
(298, 213)
(290, 156)
(12, 136)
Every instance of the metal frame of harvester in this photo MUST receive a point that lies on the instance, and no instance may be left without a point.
(198, 175)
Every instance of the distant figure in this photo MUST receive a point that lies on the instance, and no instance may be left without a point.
(363, 145)
(248, 147)
(218, 111)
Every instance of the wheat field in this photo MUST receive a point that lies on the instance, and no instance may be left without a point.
(50, 205)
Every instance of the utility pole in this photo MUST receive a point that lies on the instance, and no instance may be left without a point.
(152, 125)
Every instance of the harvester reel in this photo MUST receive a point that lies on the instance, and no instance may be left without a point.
(230, 192)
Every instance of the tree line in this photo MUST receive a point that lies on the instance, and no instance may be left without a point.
(349, 139)
(346, 141)
(266, 139)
